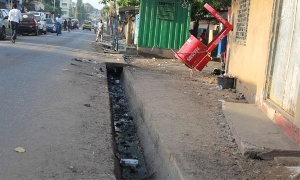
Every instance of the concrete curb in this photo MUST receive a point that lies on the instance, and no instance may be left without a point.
(158, 157)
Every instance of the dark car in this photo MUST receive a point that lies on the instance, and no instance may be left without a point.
(50, 25)
(28, 25)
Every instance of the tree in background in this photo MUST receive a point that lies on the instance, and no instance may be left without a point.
(197, 7)
(127, 3)
(80, 12)
(28, 6)
(73, 9)
(105, 12)
(122, 3)
(199, 12)
(105, 15)
(108, 12)
(89, 9)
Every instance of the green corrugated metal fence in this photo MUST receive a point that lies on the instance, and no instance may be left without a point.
(163, 23)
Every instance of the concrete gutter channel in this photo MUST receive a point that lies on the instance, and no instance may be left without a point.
(159, 158)
(258, 138)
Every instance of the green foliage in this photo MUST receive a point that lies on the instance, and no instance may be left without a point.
(126, 3)
(104, 1)
(88, 7)
(198, 11)
(80, 12)
(48, 7)
(122, 3)
(105, 12)
(29, 5)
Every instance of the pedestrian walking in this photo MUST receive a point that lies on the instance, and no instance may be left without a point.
(59, 22)
(75, 25)
(194, 31)
(100, 31)
(14, 18)
(65, 24)
(95, 26)
(69, 24)
(19, 6)
(203, 37)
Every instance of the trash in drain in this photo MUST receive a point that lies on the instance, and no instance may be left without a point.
(129, 162)
(128, 149)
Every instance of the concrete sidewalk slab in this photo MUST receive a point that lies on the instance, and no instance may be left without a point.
(256, 135)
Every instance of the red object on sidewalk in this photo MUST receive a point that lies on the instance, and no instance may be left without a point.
(195, 54)
(191, 51)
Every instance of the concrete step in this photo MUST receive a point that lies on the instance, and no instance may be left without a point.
(256, 135)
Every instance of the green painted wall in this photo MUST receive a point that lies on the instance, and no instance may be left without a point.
(163, 23)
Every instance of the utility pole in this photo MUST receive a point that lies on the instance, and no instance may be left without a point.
(54, 7)
(116, 34)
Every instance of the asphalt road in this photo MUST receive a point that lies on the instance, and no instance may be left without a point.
(56, 108)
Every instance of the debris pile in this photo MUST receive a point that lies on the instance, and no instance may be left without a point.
(129, 151)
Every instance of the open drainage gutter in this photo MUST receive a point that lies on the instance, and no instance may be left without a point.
(136, 142)
(128, 151)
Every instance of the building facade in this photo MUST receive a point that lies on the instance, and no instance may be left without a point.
(66, 8)
(263, 55)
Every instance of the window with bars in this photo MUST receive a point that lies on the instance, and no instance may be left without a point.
(166, 10)
(242, 21)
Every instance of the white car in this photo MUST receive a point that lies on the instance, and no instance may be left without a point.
(42, 25)
(4, 28)
(50, 25)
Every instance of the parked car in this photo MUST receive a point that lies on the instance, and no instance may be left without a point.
(87, 25)
(4, 28)
(50, 25)
(28, 25)
(41, 14)
(42, 24)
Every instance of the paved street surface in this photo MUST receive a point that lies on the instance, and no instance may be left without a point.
(55, 118)
(54, 108)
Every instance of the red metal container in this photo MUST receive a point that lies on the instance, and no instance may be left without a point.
(196, 55)
(191, 51)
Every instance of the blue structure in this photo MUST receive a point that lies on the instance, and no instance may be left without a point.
(3, 4)
(222, 46)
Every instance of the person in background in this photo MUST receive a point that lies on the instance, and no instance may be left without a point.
(59, 22)
(75, 25)
(69, 24)
(203, 37)
(14, 18)
(72, 24)
(100, 31)
(95, 25)
(19, 6)
(65, 24)
(194, 31)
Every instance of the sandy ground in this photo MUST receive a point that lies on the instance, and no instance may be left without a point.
(211, 148)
